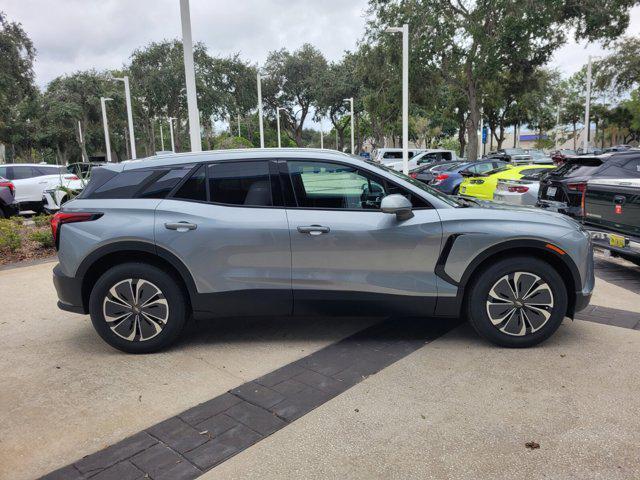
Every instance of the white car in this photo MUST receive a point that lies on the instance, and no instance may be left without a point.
(390, 155)
(32, 180)
(431, 155)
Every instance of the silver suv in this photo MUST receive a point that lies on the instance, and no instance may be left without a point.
(299, 232)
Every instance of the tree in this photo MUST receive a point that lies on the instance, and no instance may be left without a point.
(293, 84)
(17, 54)
(472, 42)
(620, 70)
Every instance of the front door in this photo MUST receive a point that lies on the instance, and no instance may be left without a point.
(345, 251)
(224, 227)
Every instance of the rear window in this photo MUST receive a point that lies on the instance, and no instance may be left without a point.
(584, 167)
(124, 185)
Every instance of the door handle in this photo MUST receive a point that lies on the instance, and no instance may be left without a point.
(180, 226)
(314, 229)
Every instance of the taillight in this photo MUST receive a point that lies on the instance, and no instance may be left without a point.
(577, 187)
(10, 186)
(61, 218)
(583, 202)
(518, 189)
(413, 175)
(71, 177)
(441, 177)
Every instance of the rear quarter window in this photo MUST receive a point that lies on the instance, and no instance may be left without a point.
(124, 185)
(165, 182)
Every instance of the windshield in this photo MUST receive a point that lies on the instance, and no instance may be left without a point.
(514, 151)
(426, 188)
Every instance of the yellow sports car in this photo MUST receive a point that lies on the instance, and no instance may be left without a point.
(483, 186)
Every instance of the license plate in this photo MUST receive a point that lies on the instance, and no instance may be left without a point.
(616, 241)
(551, 191)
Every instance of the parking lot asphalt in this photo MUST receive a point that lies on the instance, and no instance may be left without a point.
(456, 407)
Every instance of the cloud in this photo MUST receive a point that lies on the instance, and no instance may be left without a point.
(73, 35)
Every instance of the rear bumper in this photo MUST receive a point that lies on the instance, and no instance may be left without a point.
(11, 209)
(560, 207)
(69, 290)
(603, 239)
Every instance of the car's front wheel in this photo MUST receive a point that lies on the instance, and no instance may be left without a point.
(137, 308)
(517, 302)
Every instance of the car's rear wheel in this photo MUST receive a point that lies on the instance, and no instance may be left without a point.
(517, 302)
(137, 308)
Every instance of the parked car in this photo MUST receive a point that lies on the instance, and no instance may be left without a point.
(561, 189)
(560, 156)
(520, 192)
(426, 157)
(8, 204)
(426, 173)
(31, 180)
(301, 231)
(449, 181)
(511, 155)
(54, 198)
(390, 155)
(617, 148)
(484, 185)
(539, 157)
(612, 214)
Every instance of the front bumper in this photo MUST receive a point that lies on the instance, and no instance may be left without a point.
(69, 290)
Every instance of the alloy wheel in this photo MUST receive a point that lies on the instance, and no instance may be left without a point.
(520, 303)
(135, 309)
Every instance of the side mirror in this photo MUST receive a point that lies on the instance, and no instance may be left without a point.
(398, 205)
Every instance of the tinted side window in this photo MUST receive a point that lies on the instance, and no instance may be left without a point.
(49, 170)
(195, 188)
(633, 166)
(3, 172)
(162, 185)
(20, 173)
(240, 183)
(124, 185)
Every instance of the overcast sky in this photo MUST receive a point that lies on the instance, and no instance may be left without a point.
(73, 35)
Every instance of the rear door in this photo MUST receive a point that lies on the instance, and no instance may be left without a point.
(346, 253)
(227, 225)
(28, 182)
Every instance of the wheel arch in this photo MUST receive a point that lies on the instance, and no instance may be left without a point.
(544, 251)
(103, 258)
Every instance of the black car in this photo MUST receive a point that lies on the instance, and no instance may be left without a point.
(562, 189)
(8, 205)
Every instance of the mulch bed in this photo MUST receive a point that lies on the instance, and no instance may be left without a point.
(29, 250)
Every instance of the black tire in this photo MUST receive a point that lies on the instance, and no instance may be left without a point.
(3, 214)
(528, 325)
(164, 297)
(456, 190)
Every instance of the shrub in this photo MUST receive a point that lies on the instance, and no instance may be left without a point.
(41, 220)
(43, 237)
(9, 236)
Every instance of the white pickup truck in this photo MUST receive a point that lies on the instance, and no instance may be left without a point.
(31, 181)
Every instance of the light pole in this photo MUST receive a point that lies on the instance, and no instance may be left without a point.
(173, 145)
(405, 93)
(239, 134)
(105, 124)
(127, 95)
(190, 77)
(259, 79)
(587, 102)
(350, 100)
(161, 134)
(278, 124)
(557, 127)
(321, 137)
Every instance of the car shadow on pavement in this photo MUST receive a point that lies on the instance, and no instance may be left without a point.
(294, 329)
(619, 272)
